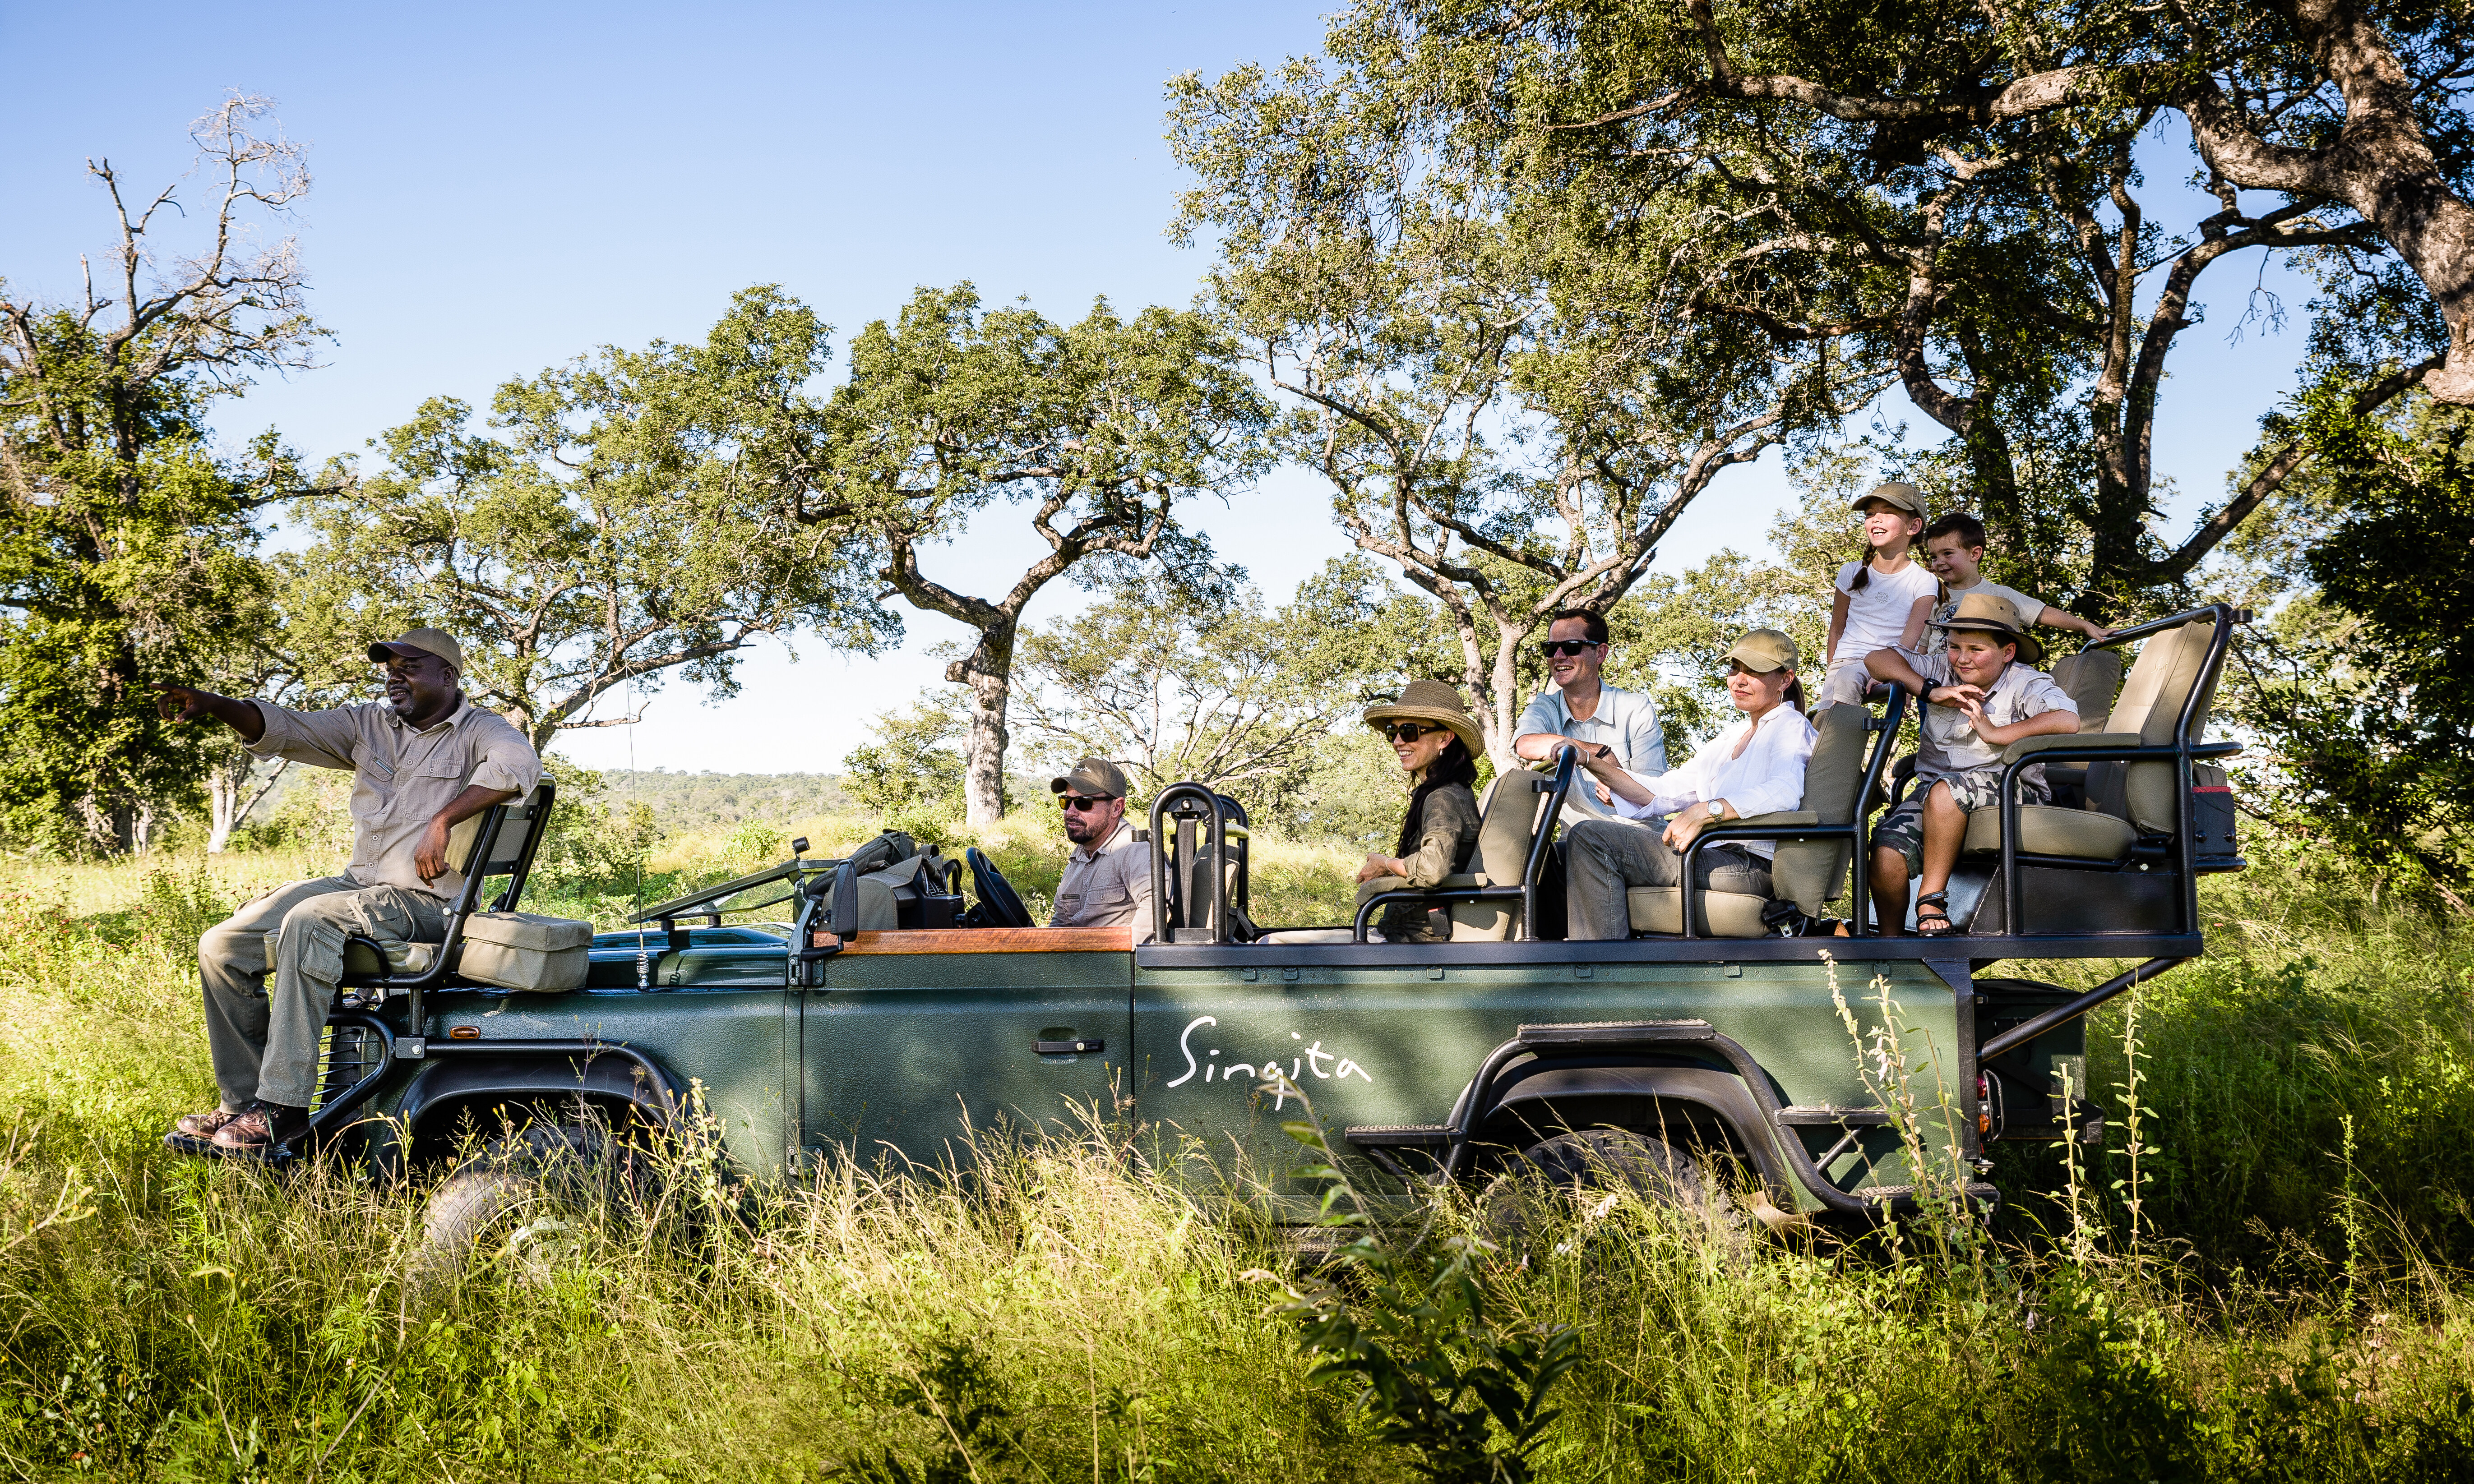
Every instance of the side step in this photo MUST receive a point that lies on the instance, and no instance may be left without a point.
(1398, 1136)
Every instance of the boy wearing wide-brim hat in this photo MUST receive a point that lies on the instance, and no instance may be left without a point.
(1981, 694)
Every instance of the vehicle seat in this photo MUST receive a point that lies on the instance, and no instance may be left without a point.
(1508, 820)
(2124, 801)
(2089, 677)
(1805, 871)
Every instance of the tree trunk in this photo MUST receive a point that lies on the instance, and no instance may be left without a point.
(988, 672)
(223, 803)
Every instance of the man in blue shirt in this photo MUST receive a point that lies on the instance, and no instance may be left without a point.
(1613, 728)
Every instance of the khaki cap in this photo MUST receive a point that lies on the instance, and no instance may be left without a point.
(1765, 649)
(1990, 612)
(1092, 778)
(1898, 494)
(1431, 700)
(421, 642)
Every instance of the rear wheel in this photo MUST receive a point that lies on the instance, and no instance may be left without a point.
(532, 1201)
(1564, 1185)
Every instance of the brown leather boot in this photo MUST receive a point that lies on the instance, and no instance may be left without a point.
(265, 1129)
(203, 1125)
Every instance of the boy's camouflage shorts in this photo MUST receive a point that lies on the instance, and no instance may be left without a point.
(1903, 829)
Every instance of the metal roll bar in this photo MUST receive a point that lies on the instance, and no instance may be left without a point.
(1210, 800)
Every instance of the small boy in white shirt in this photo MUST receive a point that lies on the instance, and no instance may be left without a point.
(1982, 693)
(1954, 549)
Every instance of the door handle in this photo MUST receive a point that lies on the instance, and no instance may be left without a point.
(1066, 1047)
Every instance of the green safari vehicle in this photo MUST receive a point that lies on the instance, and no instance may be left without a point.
(882, 1009)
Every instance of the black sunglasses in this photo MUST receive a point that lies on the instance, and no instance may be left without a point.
(1555, 647)
(1410, 732)
(1077, 802)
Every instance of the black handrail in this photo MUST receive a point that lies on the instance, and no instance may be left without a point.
(2183, 752)
(1853, 831)
(1159, 869)
(1541, 840)
(2063, 1014)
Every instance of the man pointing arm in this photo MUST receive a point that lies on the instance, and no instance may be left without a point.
(422, 763)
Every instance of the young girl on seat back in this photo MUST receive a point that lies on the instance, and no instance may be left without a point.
(1882, 601)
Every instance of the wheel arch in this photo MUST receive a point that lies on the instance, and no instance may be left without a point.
(1706, 1106)
(537, 1084)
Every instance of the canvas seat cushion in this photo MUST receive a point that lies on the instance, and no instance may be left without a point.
(401, 958)
(1659, 909)
(2044, 829)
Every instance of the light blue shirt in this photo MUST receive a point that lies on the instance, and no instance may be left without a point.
(1625, 720)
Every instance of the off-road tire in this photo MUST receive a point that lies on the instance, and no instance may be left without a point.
(1576, 1166)
(568, 1172)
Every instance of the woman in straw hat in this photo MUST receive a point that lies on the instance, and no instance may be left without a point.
(1438, 743)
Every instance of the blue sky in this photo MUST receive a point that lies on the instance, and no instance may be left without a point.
(501, 187)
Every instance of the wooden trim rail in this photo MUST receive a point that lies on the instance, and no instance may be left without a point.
(995, 940)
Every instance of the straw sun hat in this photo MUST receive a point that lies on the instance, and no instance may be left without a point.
(1431, 700)
(1990, 612)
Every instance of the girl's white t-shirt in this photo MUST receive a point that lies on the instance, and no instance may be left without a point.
(1877, 617)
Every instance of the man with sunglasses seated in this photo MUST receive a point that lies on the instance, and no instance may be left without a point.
(1107, 880)
(1615, 730)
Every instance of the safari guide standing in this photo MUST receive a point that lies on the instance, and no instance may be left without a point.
(422, 763)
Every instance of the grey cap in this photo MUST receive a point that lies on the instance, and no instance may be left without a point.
(1092, 776)
(421, 642)
(1765, 649)
(1898, 494)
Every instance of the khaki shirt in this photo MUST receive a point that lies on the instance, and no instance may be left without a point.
(1948, 746)
(402, 777)
(1109, 885)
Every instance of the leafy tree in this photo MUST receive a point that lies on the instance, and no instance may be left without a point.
(1102, 428)
(910, 776)
(622, 518)
(1508, 401)
(129, 554)
(1927, 188)
(2359, 682)
(1214, 689)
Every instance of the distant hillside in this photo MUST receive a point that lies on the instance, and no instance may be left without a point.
(684, 802)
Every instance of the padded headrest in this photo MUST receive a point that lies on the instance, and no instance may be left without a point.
(1836, 769)
(2090, 678)
(1508, 823)
(2170, 664)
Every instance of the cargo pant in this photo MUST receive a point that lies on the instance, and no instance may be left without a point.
(1610, 857)
(266, 1037)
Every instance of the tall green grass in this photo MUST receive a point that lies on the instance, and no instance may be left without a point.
(1071, 1307)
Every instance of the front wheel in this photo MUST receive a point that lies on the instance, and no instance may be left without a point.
(532, 1200)
(1569, 1183)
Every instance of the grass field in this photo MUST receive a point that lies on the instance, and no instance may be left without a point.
(2292, 1303)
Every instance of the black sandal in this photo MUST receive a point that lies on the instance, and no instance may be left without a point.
(1935, 906)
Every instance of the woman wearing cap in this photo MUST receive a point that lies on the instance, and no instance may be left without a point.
(1438, 743)
(1754, 766)
(1881, 602)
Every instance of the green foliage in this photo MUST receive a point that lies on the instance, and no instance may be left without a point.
(1103, 428)
(1502, 403)
(1177, 684)
(910, 776)
(129, 556)
(627, 519)
(1438, 1374)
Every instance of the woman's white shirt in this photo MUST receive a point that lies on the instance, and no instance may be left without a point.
(1768, 778)
(1877, 617)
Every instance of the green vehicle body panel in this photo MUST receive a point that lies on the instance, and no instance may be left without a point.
(896, 1057)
